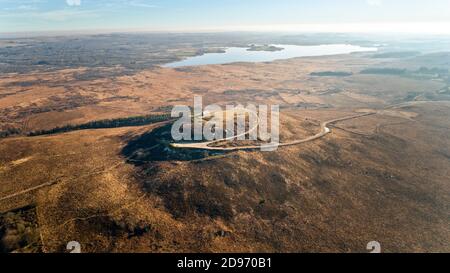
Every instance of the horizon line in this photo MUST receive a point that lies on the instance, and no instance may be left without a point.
(405, 28)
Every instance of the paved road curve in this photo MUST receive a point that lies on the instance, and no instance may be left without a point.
(324, 130)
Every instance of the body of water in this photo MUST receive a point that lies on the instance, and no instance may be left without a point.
(239, 54)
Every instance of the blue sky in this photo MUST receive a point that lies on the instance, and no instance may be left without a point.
(204, 15)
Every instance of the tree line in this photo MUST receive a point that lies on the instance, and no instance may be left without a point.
(104, 124)
(10, 132)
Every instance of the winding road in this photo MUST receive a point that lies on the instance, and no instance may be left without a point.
(205, 146)
(324, 130)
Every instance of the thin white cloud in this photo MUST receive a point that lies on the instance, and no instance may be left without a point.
(55, 15)
(141, 4)
(375, 3)
(73, 2)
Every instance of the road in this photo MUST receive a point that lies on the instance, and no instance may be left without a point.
(204, 146)
(324, 130)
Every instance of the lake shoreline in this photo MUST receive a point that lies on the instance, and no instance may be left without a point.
(282, 52)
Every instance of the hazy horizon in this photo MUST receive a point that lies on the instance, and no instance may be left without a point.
(362, 16)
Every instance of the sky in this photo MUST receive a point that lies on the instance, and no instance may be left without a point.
(407, 16)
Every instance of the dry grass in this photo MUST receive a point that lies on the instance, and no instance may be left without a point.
(383, 177)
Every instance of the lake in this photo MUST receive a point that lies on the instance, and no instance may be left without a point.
(240, 54)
